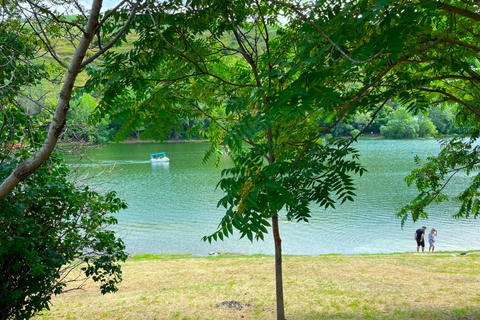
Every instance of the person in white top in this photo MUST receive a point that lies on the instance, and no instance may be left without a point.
(431, 240)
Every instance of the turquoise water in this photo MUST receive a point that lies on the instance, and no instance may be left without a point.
(173, 205)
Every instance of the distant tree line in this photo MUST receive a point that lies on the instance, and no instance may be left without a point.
(392, 122)
(395, 122)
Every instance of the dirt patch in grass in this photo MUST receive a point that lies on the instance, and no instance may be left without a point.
(398, 286)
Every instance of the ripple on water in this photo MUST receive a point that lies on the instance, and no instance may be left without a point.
(172, 206)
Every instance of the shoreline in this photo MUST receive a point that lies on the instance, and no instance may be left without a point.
(151, 256)
(173, 141)
(133, 141)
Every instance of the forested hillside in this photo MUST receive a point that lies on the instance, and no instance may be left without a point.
(392, 122)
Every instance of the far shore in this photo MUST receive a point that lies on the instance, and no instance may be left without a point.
(177, 140)
(165, 141)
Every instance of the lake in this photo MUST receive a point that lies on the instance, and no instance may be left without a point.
(173, 205)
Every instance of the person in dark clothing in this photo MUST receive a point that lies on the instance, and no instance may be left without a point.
(420, 238)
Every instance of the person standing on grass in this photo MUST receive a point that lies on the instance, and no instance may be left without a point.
(431, 239)
(420, 238)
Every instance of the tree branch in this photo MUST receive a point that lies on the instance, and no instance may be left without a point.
(453, 98)
(53, 16)
(460, 43)
(114, 40)
(28, 166)
(45, 40)
(463, 12)
(310, 22)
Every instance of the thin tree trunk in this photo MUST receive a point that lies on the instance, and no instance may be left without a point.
(278, 243)
(29, 166)
(278, 269)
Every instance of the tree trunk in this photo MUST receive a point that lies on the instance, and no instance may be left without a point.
(278, 268)
(29, 166)
(278, 244)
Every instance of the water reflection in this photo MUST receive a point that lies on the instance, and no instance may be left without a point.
(160, 165)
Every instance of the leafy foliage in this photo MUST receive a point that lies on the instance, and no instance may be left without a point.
(259, 102)
(426, 128)
(449, 77)
(49, 228)
(256, 190)
(258, 91)
(443, 120)
(279, 91)
(18, 47)
(400, 125)
(460, 154)
(78, 127)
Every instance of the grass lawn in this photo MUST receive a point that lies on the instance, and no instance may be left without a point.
(393, 286)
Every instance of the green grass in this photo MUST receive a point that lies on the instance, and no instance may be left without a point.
(179, 286)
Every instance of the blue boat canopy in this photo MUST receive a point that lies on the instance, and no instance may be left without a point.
(157, 154)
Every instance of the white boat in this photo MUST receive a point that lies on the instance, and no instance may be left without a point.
(159, 157)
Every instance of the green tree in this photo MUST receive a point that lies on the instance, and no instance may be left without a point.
(78, 125)
(342, 129)
(400, 125)
(381, 119)
(361, 120)
(443, 120)
(425, 127)
(193, 128)
(460, 154)
(33, 26)
(452, 80)
(281, 88)
(269, 96)
(50, 228)
(354, 132)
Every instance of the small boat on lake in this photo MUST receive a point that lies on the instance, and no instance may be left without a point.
(159, 157)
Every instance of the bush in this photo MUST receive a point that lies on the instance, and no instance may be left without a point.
(354, 132)
(48, 228)
(400, 125)
(426, 128)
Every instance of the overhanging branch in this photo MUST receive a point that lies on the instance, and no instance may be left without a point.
(455, 99)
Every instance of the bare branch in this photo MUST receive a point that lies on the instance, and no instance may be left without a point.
(53, 16)
(114, 40)
(44, 38)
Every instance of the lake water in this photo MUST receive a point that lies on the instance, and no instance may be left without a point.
(173, 205)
